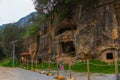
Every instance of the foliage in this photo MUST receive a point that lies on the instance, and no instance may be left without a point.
(41, 18)
(32, 30)
(67, 1)
(45, 66)
(40, 1)
(13, 32)
(10, 33)
(78, 67)
(2, 55)
(63, 8)
(7, 62)
(43, 1)
(82, 67)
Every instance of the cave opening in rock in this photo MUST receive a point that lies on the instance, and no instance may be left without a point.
(63, 29)
(68, 48)
(109, 55)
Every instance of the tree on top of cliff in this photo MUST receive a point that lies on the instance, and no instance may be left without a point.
(60, 8)
(44, 5)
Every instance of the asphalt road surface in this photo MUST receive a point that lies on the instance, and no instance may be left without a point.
(21, 74)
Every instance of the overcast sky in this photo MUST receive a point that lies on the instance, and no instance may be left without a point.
(13, 10)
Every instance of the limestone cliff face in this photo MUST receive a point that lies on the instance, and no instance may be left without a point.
(87, 30)
(32, 45)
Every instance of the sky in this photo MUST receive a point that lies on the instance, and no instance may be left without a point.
(12, 10)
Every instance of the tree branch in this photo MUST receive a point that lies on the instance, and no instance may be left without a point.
(108, 3)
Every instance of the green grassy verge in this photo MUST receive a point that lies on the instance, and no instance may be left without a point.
(7, 62)
(95, 66)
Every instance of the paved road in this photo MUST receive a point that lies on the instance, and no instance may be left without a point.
(21, 74)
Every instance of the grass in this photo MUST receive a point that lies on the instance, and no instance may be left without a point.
(7, 62)
(78, 67)
(82, 67)
(94, 68)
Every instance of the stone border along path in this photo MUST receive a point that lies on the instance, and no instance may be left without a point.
(21, 74)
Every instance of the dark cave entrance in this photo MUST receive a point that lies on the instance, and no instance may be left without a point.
(68, 48)
(109, 55)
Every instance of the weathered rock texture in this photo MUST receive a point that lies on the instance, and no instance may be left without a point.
(89, 30)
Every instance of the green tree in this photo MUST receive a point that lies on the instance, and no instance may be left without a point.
(8, 34)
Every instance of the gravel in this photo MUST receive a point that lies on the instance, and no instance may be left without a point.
(21, 74)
